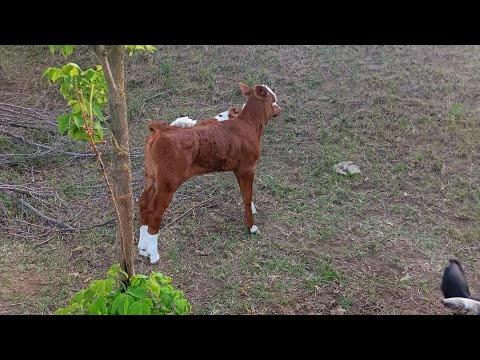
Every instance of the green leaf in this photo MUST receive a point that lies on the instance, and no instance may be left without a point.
(63, 122)
(76, 133)
(99, 307)
(166, 298)
(138, 279)
(146, 310)
(151, 48)
(98, 286)
(61, 311)
(132, 48)
(52, 74)
(115, 270)
(137, 292)
(140, 308)
(135, 309)
(147, 301)
(78, 296)
(46, 73)
(141, 276)
(89, 74)
(109, 284)
(88, 295)
(68, 81)
(56, 74)
(118, 304)
(76, 108)
(67, 50)
(78, 119)
(97, 111)
(64, 89)
(153, 286)
(71, 69)
(124, 309)
(181, 306)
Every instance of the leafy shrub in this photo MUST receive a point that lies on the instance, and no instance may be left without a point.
(143, 296)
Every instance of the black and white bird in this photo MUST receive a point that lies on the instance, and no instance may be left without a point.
(455, 290)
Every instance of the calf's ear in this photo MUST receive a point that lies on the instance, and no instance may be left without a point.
(246, 90)
(233, 111)
(261, 92)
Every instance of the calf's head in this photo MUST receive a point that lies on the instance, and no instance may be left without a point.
(265, 97)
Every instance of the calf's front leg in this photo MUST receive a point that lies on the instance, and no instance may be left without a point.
(151, 218)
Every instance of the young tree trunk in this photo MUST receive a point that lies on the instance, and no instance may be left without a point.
(112, 60)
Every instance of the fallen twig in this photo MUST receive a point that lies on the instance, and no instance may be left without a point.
(88, 227)
(33, 113)
(186, 212)
(155, 96)
(32, 143)
(26, 190)
(43, 242)
(36, 212)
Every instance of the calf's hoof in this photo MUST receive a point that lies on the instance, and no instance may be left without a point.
(154, 258)
(143, 252)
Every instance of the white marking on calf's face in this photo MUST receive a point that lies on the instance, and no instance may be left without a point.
(271, 92)
(222, 116)
(275, 105)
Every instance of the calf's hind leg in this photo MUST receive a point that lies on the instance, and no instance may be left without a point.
(245, 180)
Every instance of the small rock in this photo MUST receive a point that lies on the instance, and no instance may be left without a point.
(242, 291)
(78, 248)
(338, 311)
(322, 307)
(346, 168)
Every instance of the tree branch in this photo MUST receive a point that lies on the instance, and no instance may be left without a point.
(25, 190)
(37, 212)
(186, 212)
(102, 54)
(26, 141)
(88, 227)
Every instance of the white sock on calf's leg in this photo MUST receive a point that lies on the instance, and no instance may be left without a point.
(142, 242)
(152, 248)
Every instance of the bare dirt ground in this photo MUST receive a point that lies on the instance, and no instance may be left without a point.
(369, 244)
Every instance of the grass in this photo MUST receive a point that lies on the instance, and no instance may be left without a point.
(370, 244)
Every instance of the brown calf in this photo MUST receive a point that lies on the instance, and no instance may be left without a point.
(231, 112)
(174, 155)
(186, 122)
